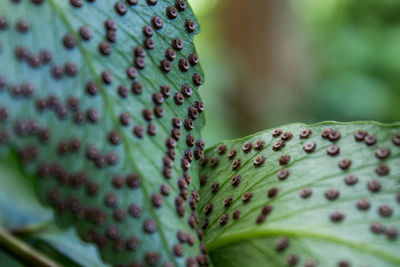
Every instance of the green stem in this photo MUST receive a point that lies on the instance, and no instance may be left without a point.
(24, 252)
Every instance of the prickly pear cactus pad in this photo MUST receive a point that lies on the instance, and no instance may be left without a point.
(100, 100)
(306, 195)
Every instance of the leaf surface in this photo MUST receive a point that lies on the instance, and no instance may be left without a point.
(97, 99)
(334, 202)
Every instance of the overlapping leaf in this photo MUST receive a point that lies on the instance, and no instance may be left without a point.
(99, 99)
(306, 195)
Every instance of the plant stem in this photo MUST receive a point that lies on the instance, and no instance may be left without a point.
(24, 252)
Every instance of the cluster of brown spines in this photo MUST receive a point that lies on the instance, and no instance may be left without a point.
(372, 186)
(105, 219)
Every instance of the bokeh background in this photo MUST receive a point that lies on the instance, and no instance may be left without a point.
(272, 62)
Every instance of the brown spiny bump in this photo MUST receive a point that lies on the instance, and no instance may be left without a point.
(193, 59)
(325, 133)
(190, 239)
(292, 260)
(305, 192)
(186, 90)
(385, 211)
(247, 147)
(276, 132)
(3, 23)
(261, 218)
(193, 112)
(286, 136)
(178, 98)
(333, 150)
(70, 69)
(336, 216)
(236, 164)
(221, 149)
(137, 88)
(309, 147)
(351, 179)
(266, 210)
(201, 144)
(180, 5)
(171, 12)
(332, 194)
(190, 25)
(247, 196)
(235, 181)
(363, 204)
(232, 153)
(152, 257)
(203, 180)
(396, 139)
(259, 161)
(370, 139)
(283, 174)
(359, 135)
(123, 91)
(177, 44)
(184, 64)
(170, 54)
(69, 41)
(377, 228)
(344, 164)
(382, 153)
(199, 105)
(278, 145)
(223, 219)
(148, 43)
(273, 192)
(85, 33)
(392, 234)
(281, 244)
(214, 162)
(214, 187)
(107, 77)
(118, 181)
(305, 133)
(260, 144)
(22, 26)
(284, 159)
(105, 48)
(92, 88)
(158, 111)
(131, 72)
(227, 202)
(197, 79)
(374, 185)
(343, 263)
(382, 170)
(140, 62)
(334, 135)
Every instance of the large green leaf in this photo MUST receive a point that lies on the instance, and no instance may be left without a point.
(303, 209)
(95, 120)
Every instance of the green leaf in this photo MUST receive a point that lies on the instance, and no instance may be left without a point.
(303, 209)
(67, 243)
(18, 204)
(99, 139)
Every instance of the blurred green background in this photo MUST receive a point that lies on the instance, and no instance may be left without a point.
(272, 62)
